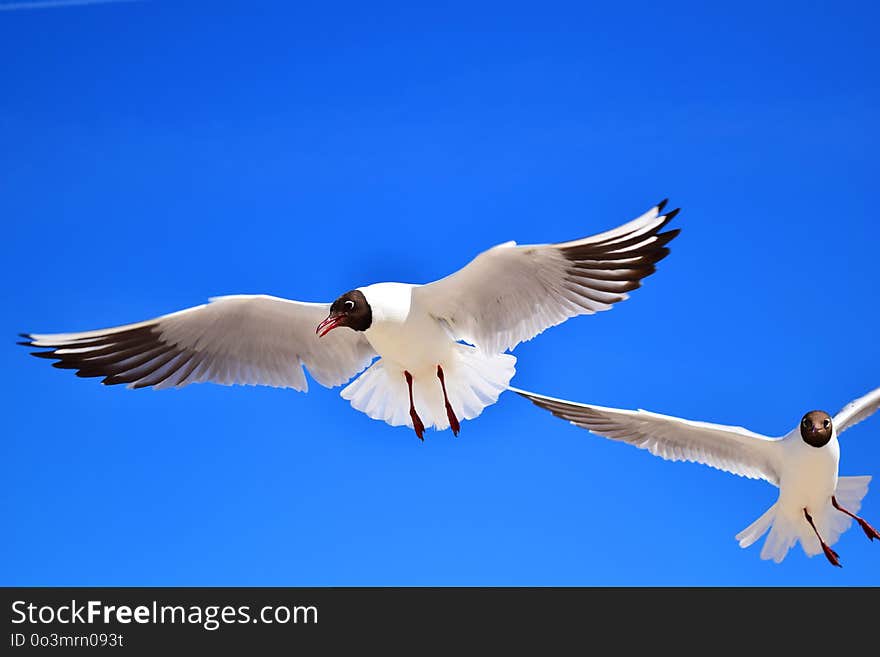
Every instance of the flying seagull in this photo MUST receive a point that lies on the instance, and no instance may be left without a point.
(815, 506)
(426, 375)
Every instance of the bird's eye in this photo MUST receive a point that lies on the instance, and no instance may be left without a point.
(349, 304)
(826, 423)
(806, 423)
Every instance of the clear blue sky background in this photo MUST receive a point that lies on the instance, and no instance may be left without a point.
(154, 154)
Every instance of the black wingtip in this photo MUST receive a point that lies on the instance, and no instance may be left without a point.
(672, 214)
(662, 204)
(26, 344)
(29, 340)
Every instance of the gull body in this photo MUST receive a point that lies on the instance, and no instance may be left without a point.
(403, 333)
(807, 476)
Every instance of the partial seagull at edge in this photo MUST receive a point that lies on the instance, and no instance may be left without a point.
(815, 506)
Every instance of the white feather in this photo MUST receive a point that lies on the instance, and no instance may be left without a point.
(474, 380)
(856, 411)
(240, 339)
(512, 293)
(806, 475)
(733, 449)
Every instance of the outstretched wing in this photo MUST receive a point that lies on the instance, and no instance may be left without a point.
(733, 449)
(512, 293)
(856, 411)
(240, 339)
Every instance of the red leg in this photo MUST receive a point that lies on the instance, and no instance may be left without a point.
(416, 420)
(450, 414)
(830, 554)
(870, 532)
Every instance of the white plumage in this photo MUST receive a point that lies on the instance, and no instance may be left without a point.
(425, 375)
(241, 339)
(806, 475)
(511, 293)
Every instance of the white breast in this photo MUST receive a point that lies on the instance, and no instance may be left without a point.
(809, 474)
(403, 333)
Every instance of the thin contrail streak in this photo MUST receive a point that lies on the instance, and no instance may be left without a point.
(53, 4)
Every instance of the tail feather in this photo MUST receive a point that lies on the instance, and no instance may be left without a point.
(757, 529)
(473, 378)
(783, 535)
(851, 490)
(849, 494)
(787, 529)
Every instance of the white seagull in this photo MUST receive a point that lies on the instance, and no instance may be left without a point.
(425, 375)
(814, 506)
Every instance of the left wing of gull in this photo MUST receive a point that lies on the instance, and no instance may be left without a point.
(240, 339)
(733, 449)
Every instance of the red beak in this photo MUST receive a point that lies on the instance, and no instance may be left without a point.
(328, 325)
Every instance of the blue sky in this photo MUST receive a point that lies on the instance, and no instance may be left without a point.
(155, 154)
